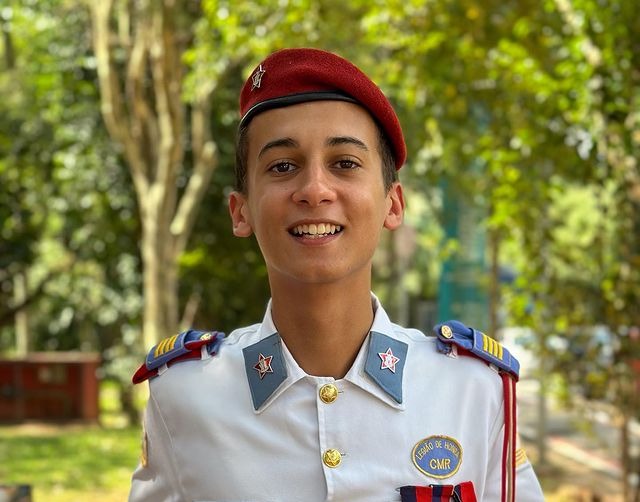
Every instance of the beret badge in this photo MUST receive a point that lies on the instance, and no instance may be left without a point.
(256, 78)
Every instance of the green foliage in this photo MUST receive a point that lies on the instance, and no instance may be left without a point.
(68, 214)
(544, 100)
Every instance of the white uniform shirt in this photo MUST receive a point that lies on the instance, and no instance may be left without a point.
(250, 425)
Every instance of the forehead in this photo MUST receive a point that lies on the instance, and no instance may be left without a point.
(311, 122)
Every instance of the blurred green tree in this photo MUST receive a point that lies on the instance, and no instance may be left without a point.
(139, 49)
(67, 212)
(69, 259)
(544, 98)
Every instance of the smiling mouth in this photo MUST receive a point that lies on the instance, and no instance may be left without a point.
(315, 231)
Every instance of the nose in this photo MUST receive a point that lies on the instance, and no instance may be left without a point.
(314, 186)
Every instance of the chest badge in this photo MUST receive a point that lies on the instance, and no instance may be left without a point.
(437, 456)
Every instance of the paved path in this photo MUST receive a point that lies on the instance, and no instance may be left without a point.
(585, 436)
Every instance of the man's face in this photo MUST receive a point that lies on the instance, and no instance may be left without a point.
(315, 197)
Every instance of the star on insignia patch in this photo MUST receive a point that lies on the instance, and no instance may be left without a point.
(388, 360)
(256, 78)
(263, 366)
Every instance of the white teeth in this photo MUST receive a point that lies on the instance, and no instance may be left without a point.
(314, 231)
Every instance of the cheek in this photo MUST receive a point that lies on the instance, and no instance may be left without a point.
(265, 215)
(374, 207)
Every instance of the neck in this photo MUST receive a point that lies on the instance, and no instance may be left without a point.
(323, 326)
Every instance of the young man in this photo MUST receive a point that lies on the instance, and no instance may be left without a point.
(326, 399)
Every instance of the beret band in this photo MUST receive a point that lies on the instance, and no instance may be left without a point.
(293, 76)
(293, 99)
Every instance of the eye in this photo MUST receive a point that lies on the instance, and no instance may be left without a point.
(347, 164)
(282, 167)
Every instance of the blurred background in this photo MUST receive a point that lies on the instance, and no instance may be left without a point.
(117, 126)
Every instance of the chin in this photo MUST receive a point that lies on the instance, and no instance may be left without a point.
(319, 273)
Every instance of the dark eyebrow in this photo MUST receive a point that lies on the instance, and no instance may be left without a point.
(286, 142)
(346, 140)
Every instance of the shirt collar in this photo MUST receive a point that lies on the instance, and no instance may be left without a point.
(378, 368)
(270, 367)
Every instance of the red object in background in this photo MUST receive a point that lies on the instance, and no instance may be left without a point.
(49, 386)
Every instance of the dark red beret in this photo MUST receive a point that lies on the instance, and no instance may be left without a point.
(291, 76)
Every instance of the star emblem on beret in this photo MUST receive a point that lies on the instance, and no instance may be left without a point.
(389, 361)
(256, 78)
(263, 366)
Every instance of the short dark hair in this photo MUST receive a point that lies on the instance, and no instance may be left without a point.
(389, 172)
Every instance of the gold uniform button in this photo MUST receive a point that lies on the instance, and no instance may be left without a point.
(328, 393)
(332, 458)
(446, 331)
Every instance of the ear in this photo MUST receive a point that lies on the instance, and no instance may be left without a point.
(395, 213)
(238, 209)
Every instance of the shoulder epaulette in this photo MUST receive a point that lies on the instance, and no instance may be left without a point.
(475, 343)
(189, 344)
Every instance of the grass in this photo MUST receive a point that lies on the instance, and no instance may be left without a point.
(72, 463)
(564, 479)
(69, 463)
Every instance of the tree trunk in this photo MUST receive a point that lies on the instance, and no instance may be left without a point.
(21, 316)
(154, 321)
(494, 282)
(624, 456)
(9, 52)
(127, 403)
(541, 432)
(145, 114)
(160, 274)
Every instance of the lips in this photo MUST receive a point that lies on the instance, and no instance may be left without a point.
(315, 230)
